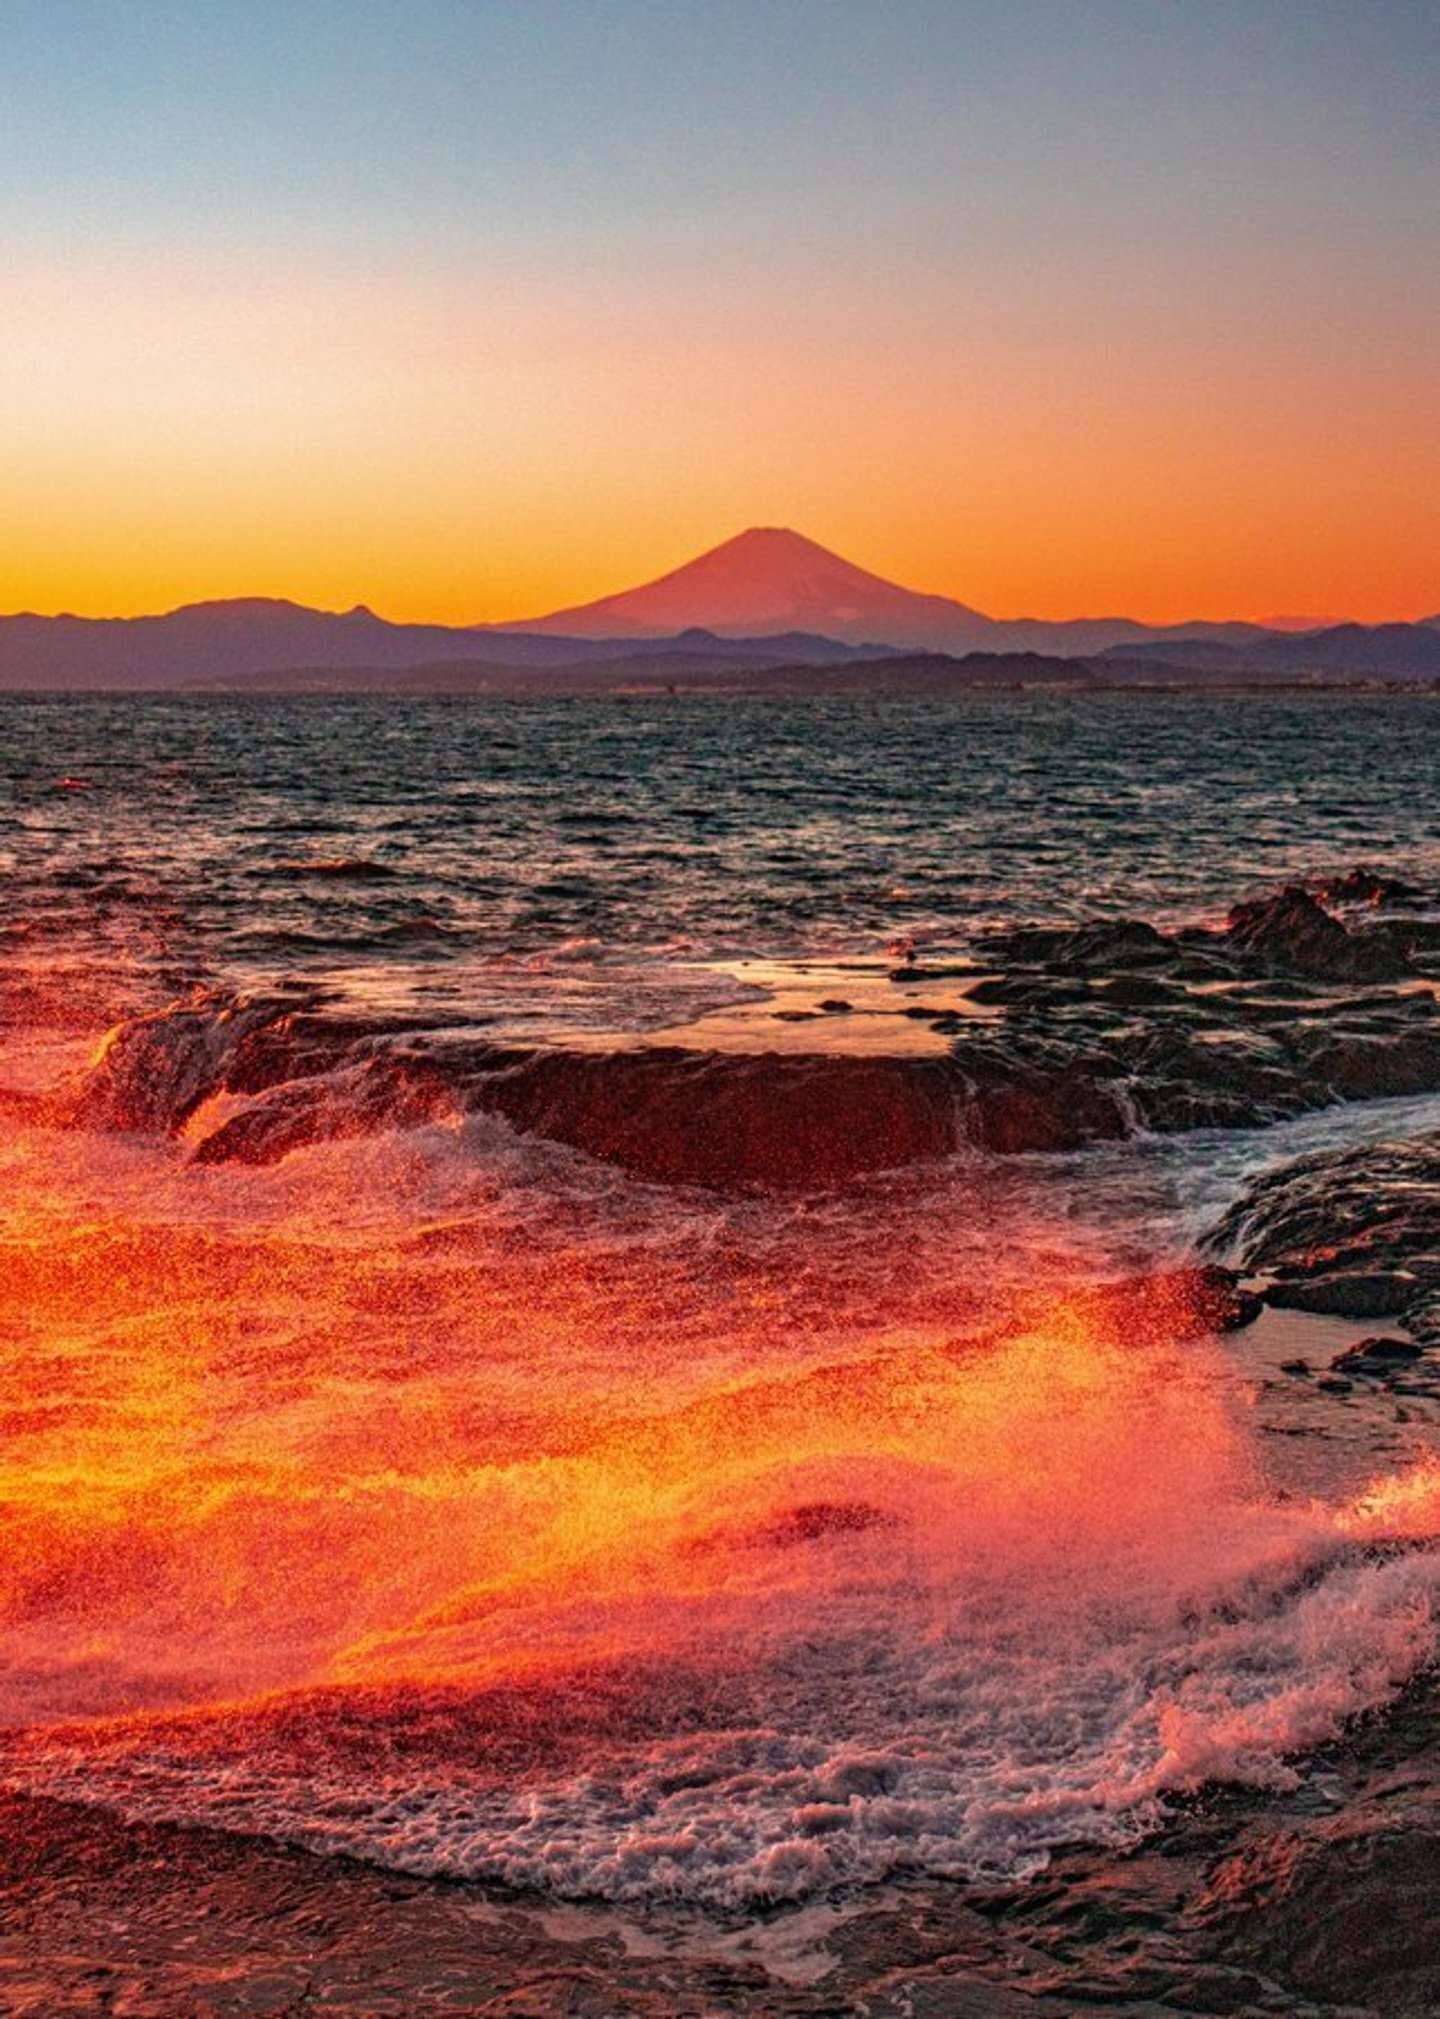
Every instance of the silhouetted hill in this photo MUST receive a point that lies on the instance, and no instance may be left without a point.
(1398, 651)
(1342, 651)
(214, 640)
(224, 643)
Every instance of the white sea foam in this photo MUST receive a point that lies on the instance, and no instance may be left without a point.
(963, 1753)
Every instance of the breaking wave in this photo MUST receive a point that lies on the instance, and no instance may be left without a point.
(449, 1499)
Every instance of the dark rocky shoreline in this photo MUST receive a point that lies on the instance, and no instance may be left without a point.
(1056, 1038)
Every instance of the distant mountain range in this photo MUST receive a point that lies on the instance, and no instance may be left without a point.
(768, 600)
(209, 644)
(1343, 651)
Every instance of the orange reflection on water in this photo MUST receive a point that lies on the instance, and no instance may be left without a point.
(257, 1446)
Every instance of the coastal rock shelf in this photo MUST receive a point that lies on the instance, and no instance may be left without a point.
(1041, 1039)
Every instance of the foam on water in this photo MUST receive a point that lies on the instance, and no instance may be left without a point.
(458, 1503)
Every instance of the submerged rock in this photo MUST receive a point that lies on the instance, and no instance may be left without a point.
(818, 1520)
(1376, 1358)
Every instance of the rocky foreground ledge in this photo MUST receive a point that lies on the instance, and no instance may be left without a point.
(1042, 1039)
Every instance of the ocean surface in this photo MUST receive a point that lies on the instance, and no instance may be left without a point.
(451, 1498)
(173, 837)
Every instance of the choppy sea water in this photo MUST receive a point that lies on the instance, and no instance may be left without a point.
(451, 1498)
(194, 836)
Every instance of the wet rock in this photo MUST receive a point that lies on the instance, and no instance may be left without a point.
(1103, 943)
(1353, 1232)
(1363, 885)
(1295, 934)
(1190, 1076)
(1389, 1350)
(1098, 1034)
(1417, 936)
(1423, 1318)
(1344, 1296)
(1346, 1913)
(667, 1113)
(1021, 1107)
(1139, 991)
(914, 971)
(372, 1095)
(154, 1072)
(1366, 1067)
(1024, 991)
(1231, 1029)
(1374, 1359)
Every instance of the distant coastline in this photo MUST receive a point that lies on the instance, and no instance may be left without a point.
(894, 678)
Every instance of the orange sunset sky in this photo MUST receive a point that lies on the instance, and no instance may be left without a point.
(469, 312)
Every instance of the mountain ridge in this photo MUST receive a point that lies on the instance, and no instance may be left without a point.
(769, 594)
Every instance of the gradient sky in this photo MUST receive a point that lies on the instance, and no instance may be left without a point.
(471, 310)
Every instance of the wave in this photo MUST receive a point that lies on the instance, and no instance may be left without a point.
(643, 1471)
(815, 1729)
(422, 1506)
